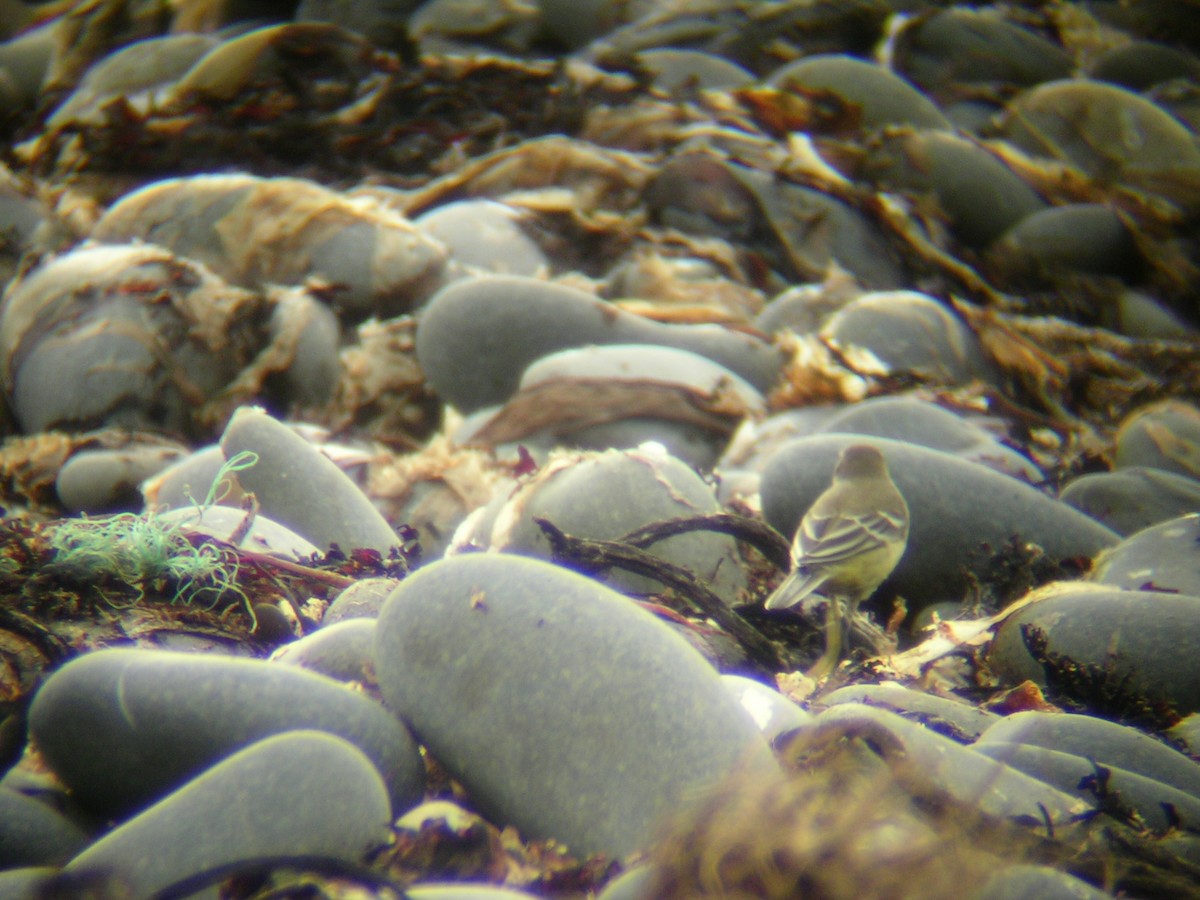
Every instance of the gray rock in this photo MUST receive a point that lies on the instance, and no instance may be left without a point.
(1023, 881)
(1133, 498)
(1102, 740)
(956, 507)
(953, 718)
(501, 324)
(341, 651)
(880, 97)
(939, 763)
(1079, 775)
(608, 495)
(920, 422)
(1112, 650)
(106, 480)
(485, 234)
(300, 487)
(1163, 435)
(303, 795)
(121, 728)
(1159, 558)
(362, 600)
(774, 714)
(908, 331)
(33, 834)
(562, 707)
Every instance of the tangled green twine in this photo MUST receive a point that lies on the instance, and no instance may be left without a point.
(145, 552)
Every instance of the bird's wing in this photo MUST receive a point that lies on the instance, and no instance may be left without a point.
(827, 540)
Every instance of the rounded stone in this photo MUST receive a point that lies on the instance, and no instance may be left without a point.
(1071, 773)
(980, 196)
(877, 96)
(301, 488)
(920, 422)
(1114, 651)
(1084, 238)
(341, 651)
(303, 795)
(564, 708)
(363, 599)
(503, 323)
(486, 235)
(1104, 741)
(961, 512)
(607, 495)
(1130, 499)
(1159, 558)
(909, 332)
(1164, 435)
(121, 728)
(33, 834)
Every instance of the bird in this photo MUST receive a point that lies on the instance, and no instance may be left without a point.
(848, 542)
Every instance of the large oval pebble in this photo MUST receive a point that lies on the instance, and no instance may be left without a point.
(300, 487)
(563, 708)
(1114, 651)
(475, 337)
(295, 797)
(961, 512)
(121, 728)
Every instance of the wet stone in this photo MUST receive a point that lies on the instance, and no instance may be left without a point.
(564, 708)
(1066, 642)
(961, 512)
(294, 797)
(124, 727)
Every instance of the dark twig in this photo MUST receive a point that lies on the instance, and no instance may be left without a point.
(765, 539)
(596, 555)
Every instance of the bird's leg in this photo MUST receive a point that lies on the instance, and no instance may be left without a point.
(834, 641)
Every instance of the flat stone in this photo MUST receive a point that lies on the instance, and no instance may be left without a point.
(563, 708)
(302, 795)
(121, 728)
